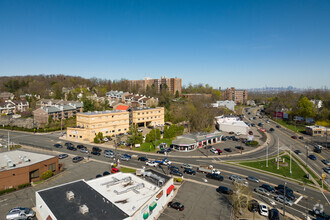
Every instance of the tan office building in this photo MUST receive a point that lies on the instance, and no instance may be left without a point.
(148, 117)
(89, 124)
(170, 84)
(238, 96)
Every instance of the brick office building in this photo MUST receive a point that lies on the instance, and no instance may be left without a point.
(170, 84)
(238, 96)
(20, 167)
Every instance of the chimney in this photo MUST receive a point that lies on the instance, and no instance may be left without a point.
(69, 195)
(83, 209)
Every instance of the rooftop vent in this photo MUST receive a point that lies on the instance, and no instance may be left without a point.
(69, 195)
(133, 188)
(83, 209)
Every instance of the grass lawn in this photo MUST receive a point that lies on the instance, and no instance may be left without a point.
(297, 172)
(127, 170)
(300, 128)
(150, 147)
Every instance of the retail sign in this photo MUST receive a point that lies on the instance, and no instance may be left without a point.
(278, 115)
(250, 137)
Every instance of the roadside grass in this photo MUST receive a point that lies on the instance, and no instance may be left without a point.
(127, 170)
(297, 172)
(150, 147)
(298, 128)
(249, 160)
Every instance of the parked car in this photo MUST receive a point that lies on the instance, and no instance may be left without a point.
(115, 170)
(96, 153)
(262, 191)
(298, 152)
(176, 173)
(71, 148)
(312, 157)
(98, 176)
(213, 150)
(68, 144)
(288, 194)
(208, 147)
(317, 150)
(280, 198)
(239, 148)
(326, 169)
(152, 163)
(224, 190)
(84, 150)
(189, 171)
(185, 165)
(20, 213)
(106, 173)
(161, 152)
(274, 214)
(80, 146)
(62, 156)
(219, 151)
(253, 205)
(58, 145)
(263, 210)
(176, 205)
(281, 186)
(105, 139)
(326, 162)
(228, 149)
(268, 187)
(214, 176)
(253, 179)
(301, 137)
(271, 129)
(143, 159)
(140, 130)
(77, 159)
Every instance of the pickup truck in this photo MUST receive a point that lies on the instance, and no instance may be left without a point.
(207, 169)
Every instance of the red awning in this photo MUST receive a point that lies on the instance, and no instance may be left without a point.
(169, 190)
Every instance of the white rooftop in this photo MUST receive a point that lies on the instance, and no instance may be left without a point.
(231, 121)
(20, 159)
(127, 191)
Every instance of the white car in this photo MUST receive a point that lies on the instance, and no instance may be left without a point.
(151, 163)
(213, 150)
(215, 171)
(105, 139)
(167, 162)
(84, 150)
(263, 210)
(140, 130)
(109, 155)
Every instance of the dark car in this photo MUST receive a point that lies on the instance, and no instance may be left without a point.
(239, 148)
(298, 152)
(228, 149)
(214, 176)
(77, 159)
(278, 126)
(253, 205)
(68, 144)
(281, 186)
(96, 149)
(96, 153)
(62, 156)
(126, 155)
(58, 145)
(312, 157)
(273, 214)
(271, 129)
(161, 152)
(288, 194)
(252, 125)
(268, 187)
(189, 171)
(71, 148)
(260, 124)
(294, 137)
(106, 173)
(224, 190)
(80, 146)
(98, 176)
(143, 159)
(317, 150)
(176, 173)
(173, 168)
(301, 137)
(176, 205)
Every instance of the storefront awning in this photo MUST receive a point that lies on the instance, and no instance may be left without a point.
(152, 206)
(169, 190)
(145, 215)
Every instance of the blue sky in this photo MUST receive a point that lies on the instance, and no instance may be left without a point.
(245, 44)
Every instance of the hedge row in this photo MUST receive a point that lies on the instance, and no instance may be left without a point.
(24, 185)
(7, 191)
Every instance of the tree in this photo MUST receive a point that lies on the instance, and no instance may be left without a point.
(305, 108)
(177, 95)
(136, 137)
(88, 105)
(239, 199)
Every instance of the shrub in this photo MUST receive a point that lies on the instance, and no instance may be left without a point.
(96, 140)
(114, 166)
(47, 175)
(24, 185)
(179, 180)
(7, 191)
(252, 143)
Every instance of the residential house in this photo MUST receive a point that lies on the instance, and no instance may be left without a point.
(7, 95)
(13, 106)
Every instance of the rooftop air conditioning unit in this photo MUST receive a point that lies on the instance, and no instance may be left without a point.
(69, 195)
(83, 209)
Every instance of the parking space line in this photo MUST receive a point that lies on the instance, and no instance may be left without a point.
(298, 200)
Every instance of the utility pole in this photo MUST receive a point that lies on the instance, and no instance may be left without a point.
(267, 154)
(8, 142)
(278, 153)
(290, 159)
(306, 146)
(284, 200)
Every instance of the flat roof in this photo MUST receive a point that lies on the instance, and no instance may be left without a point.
(145, 109)
(84, 194)
(21, 159)
(101, 112)
(233, 123)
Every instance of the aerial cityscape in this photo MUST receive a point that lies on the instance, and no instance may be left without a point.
(164, 110)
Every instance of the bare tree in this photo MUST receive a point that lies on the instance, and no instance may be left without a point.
(240, 197)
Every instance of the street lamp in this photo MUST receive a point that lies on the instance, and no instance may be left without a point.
(290, 159)
(284, 199)
(267, 154)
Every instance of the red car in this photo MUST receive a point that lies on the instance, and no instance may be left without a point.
(219, 151)
(294, 137)
(115, 170)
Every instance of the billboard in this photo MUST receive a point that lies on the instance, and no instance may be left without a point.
(310, 120)
(298, 118)
(285, 115)
(278, 115)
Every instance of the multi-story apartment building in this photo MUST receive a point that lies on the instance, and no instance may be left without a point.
(13, 106)
(89, 124)
(148, 116)
(238, 96)
(170, 84)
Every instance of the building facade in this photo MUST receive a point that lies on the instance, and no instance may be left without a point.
(228, 104)
(169, 84)
(20, 167)
(317, 130)
(238, 96)
(89, 124)
(148, 117)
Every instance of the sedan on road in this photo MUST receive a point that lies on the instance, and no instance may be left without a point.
(235, 177)
(253, 179)
(280, 198)
(80, 146)
(71, 148)
(278, 126)
(62, 156)
(68, 144)
(298, 152)
(294, 137)
(143, 159)
(176, 205)
(124, 158)
(312, 157)
(96, 153)
(151, 163)
(214, 176)
(185, 165)
(268, 187)
(262, 191)
(173, 168)
(326, 169)
(84, 150)
(189, 171)
(224, 190)
(58, 146)
(77, 159)
(176, 173)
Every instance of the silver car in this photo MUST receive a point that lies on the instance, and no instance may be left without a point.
(109, 155)
(262, 191)
(280, 198)
(84, 150)
(20, 213)
(122, 157)
(185, 165)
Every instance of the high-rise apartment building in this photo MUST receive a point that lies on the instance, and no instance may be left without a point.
(238, 96)
(170, 84)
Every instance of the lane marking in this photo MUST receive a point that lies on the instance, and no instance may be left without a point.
(298, 200)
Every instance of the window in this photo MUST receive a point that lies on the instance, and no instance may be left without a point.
(125, 129)
(34, 174)
(113, 116)
(113, 131)
(74, 136)
(70, 135)
(52, 167)
(80, 136)
(119, 129)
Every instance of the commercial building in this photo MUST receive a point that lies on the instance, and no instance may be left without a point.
(228, 104)
(148, 117)
(90, 124)
(231, 124)
(21, 167)
(238, 96)
(192, 141)
(317, 130)
(116, 196)
(169, 84)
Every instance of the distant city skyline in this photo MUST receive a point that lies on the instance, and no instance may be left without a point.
(243, 44)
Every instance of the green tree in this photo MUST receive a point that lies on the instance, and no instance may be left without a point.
(88, 105)
(136, 137)
(177, 95)
(305, 108)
